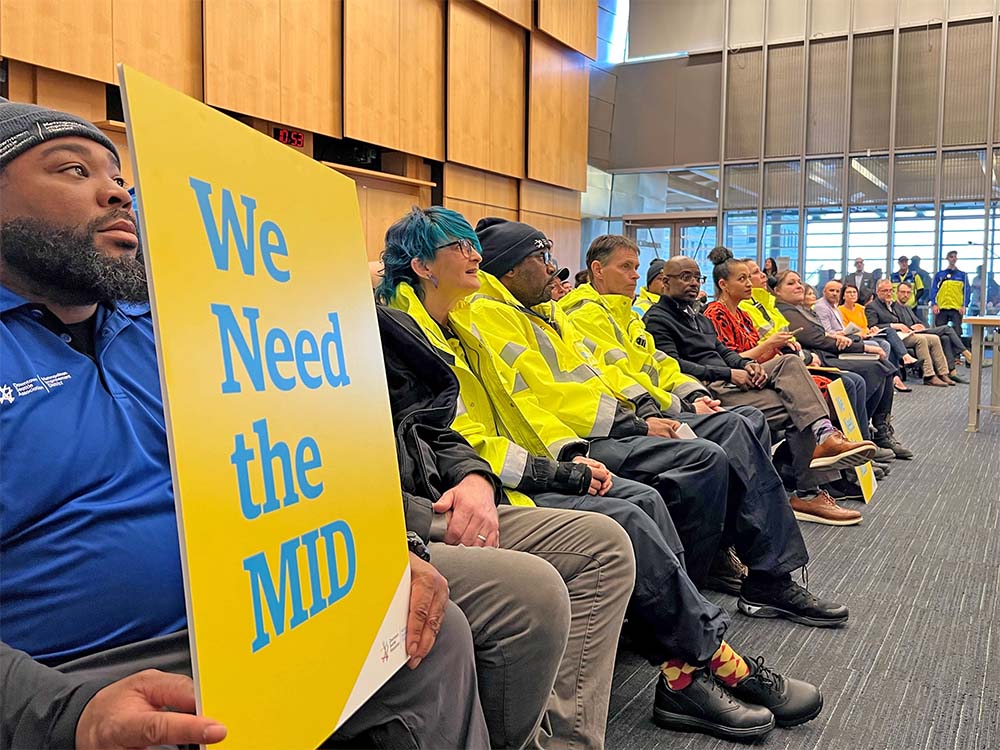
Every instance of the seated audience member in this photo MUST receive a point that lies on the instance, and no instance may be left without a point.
(761, 306)
(851, 311)
(547, 615)
(673, 625)
(781, 387)
(899, 317)
(649, 294)
(562, 286)
(826, 309)
(809, 296)
(762, 310)
(770, 268)
(950, 294)
(951, 341)
(89, 528)
(628, 432)
(790, 294)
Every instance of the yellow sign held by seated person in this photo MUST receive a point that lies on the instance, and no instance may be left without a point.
(849, 426)
(281, 440)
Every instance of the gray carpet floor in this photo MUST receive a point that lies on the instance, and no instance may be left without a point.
(918, 665)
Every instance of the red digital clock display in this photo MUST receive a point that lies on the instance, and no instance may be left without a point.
(294, 138)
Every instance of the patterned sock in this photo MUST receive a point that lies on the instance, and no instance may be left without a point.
(822, 429)
(678, 673)
(728, 666)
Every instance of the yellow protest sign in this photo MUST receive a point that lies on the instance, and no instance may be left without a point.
(849, 426)
(281, 439)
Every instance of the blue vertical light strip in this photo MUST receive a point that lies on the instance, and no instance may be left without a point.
(617, 49)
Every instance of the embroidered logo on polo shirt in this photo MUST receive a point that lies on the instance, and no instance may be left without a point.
(43, 384)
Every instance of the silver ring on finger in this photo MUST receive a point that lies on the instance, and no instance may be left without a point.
(481, 538)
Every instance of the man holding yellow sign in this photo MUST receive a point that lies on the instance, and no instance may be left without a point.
(92, 566)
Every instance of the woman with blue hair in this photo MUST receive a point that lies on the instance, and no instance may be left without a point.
(431, 263)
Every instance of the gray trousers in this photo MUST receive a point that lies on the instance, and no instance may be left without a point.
(434, 706)
(545, 610)
(792, 402)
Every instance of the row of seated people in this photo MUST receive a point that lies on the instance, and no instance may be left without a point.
(547, 487)
(889, 323)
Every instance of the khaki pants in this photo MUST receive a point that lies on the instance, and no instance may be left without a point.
(928, 347)
(545, 611)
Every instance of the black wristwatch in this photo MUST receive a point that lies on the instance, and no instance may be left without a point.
(417, 546)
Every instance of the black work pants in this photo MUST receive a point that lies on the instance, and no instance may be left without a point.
(720, 489)
(668, 616)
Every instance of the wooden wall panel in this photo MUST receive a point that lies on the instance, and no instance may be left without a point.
(518, 11)
(242, 54)
(162, 39)
(20, 81)
(473, 212)
(81, 96)
(73, 36)
(371, 71)
(486, 90)
(546, 199)
(572, 22)
(421, 78)
(394, 74)
(311, 52)
(476, 194)
(382, 203)
(557, 115)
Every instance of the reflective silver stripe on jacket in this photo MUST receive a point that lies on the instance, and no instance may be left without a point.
(614, 355)
(519, 384)
(511, 352)
(606, 410)
(514, 465)
(634, 391)
(652, 373)
(579, 374)
(461, 408)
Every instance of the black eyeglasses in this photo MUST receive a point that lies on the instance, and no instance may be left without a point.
(687, 277)
(464, 246)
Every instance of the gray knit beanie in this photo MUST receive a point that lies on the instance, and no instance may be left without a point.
(24, 126)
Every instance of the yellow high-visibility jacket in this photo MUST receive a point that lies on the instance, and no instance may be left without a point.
(623, 342)
(644, 301)
(764, 313)
(498, 415)
(558, 364)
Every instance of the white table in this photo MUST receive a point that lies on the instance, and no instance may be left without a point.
(979, 326)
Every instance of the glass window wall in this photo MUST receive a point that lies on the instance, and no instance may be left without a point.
(824, 241)
(868, 237)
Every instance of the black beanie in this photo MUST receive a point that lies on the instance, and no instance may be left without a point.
(505, 243)
(655, 266)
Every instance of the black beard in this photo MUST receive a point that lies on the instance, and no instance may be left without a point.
(62, 265)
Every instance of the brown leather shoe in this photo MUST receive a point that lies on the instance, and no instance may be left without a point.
(837, 452)
(947, 380)
(936, 381)
(823, 509)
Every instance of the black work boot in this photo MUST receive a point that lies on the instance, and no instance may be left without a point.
(706, 706)
(792, 701)
(727, 572)
(785, 598)
(885, 438)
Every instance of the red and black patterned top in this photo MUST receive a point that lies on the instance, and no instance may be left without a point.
(736, 332)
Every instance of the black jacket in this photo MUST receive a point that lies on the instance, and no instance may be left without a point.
(691, 340)
(894, 313)
(813, 337)
(423, 396)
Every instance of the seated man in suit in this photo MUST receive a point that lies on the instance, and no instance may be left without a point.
(901, 318)
(951, 342)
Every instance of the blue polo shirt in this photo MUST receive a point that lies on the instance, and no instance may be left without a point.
(89, 556)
